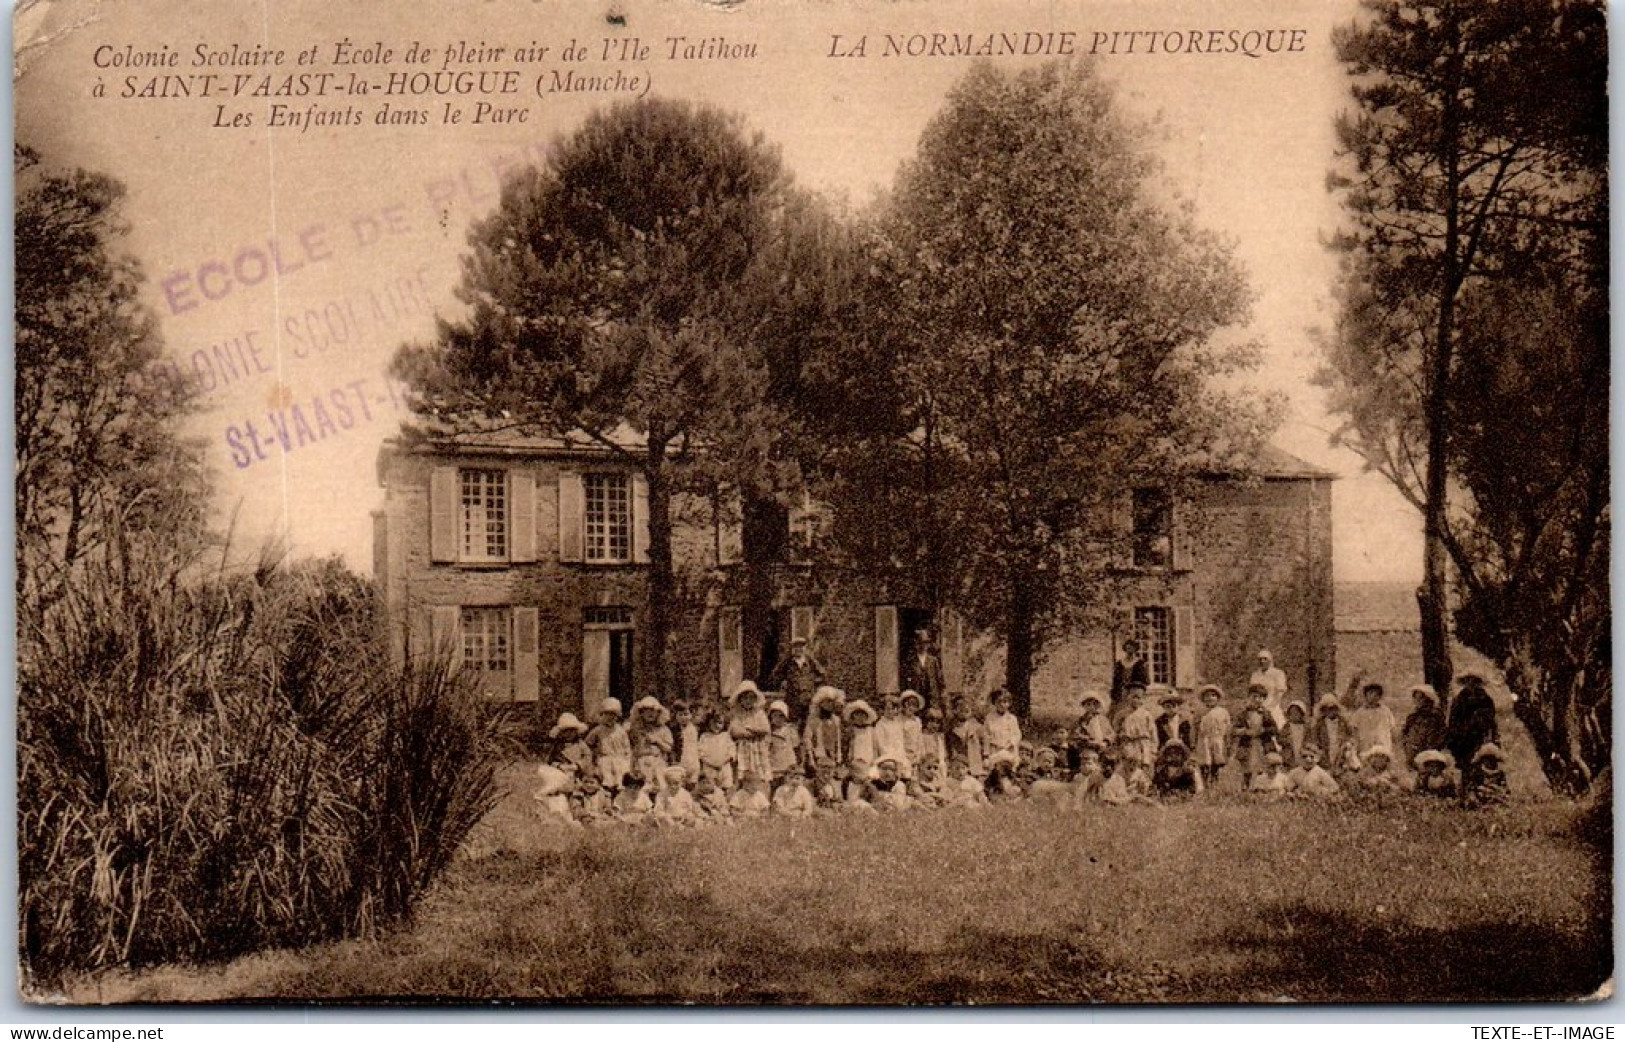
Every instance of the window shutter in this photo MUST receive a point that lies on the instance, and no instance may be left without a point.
(522, 515)
(594, 670)
(1179, 534)
(885, 649)
(445, 633)
(803, 622)
(730, 655)
(443, 534)
(952, 629)
(526, 668)
(1184, 646)
(1123, 529)
(571, 507)
(640, 519)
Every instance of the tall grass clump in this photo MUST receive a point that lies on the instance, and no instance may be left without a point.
(214, 763)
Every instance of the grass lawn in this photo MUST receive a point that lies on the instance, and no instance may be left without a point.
(1207, 902)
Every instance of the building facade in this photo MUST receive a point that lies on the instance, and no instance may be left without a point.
(526, 561)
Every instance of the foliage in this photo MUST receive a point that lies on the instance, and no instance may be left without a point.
(98, 456)
(1472, 336)
(1053, 326)
(1213, 901)
(210, 764)
(602, 294)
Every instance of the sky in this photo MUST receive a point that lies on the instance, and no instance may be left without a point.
(287, 262)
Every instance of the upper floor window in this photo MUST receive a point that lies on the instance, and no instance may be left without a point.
(485, 639)
(608, 517)
(483, 501)
(1153, 528)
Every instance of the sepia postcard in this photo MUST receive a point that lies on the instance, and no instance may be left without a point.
(852, 503)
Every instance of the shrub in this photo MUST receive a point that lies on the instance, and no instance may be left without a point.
(214, 763)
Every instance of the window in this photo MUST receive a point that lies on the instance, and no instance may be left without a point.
(608, 517)
(485, 639)
(1153, 627)
(807, 527)
(483, 499)
(1153, 528)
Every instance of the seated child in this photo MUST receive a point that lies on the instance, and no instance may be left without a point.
(926, 788)
(717, 751)
(827, 786)
(1086, 784)
(891, 790)
(1174, 774)
(933, 743)
(632, 803)
(1002, 783)
(593, 803)
(1270, 784)
(861, 794)
(1049, 780)
(1435, 776)
(962, 790)
(555, 792)
(792, 800)
(1377, 771)
(750, 799)
(710, 801)
(1094, 728)
(1255, 735)
(1486, 782)
(1114, 787)
(1309, 779)
(675, 804)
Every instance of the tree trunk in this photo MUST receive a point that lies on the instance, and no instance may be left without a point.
(1552, 707)
(1021, 649)
(662, 580)
(764, 538)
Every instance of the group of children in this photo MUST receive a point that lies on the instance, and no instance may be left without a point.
(686, 765)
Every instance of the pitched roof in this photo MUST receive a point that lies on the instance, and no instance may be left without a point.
(1272, 462)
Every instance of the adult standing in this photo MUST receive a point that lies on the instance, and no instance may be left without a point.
(1472, 721)
(797, 677)
(922, 673)
(1130, 670)
(1273, 680)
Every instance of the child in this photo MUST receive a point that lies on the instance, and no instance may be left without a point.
(1174, 724)
(781, 740)
(1308, 779)
(710, 801)
(1330, 734)
(569, 749)
(1212, 736)
(821, 737)
(890, 787)
(913, 727)
(651, 742)
(861, 793)
(1377, 771)
(1174, 775)
(1435, 776)
(1093, 729)
(891, 735)
(685, 750)
(1001, 784)
(965, 735)
(1001, 732)
(827, 786)
(933, 743)
(750, 799)
(1295, 735)
(1137, 738)
(748, 726)
(1372, 723)
(1114, 787)
(860, 741)
(1086, 785)
(1424, 727)
(793, 800)
(1269, 784)
(675, 804)
(1255, 735)
(1486, 783)
(632, 803)
(926, 789)
(593, 805)
(554, 794)
(610, 744)
(962, 790)
(717, 752)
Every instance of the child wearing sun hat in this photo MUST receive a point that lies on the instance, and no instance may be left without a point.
(860, 738)
(821, 737)
(782, 743)
(1486, 783)
(569, 747)
(717, 752)
(651, 742)
(611, 745)
(747, 723)
(1435, 776)
(1212, 736)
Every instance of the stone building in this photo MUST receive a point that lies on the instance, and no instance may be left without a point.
(526, 559)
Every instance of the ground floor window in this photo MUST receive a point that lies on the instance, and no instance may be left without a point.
(486, 633)
(1153, 627)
